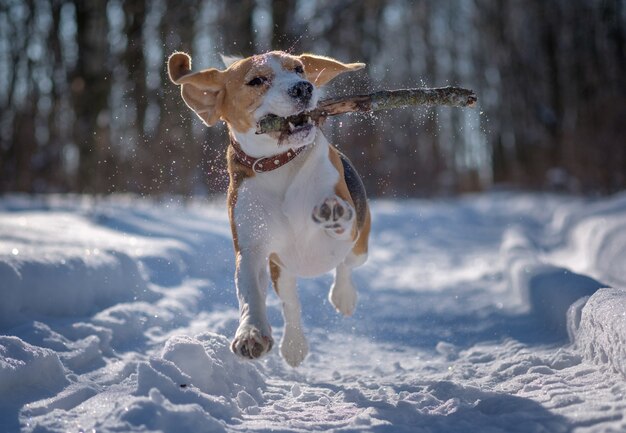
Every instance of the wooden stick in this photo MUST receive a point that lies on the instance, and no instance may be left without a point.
(383, 100)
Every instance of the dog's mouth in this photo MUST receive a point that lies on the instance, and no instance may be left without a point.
(290, 128)
(299, 122)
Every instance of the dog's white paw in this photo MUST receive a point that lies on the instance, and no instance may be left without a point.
(343, 297)
(293, 347)
(334, 215)
(250, 343)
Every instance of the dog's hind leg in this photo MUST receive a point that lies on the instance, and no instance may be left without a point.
(342, 293)
(293, 346)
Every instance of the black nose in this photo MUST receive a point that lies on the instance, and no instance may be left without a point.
(302, 90)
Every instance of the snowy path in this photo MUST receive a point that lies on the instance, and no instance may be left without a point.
(115, 315)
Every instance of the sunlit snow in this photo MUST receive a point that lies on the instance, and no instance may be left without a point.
(475, 314)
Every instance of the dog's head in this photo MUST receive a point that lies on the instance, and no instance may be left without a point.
(273, 83)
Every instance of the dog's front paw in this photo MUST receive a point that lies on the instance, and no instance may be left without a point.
(294, 347)
(250, 343)
(334, 215)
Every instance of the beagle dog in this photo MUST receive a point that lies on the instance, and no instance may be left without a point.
(297, 206)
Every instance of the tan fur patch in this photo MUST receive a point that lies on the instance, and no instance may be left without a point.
(275, 271)
(237, 173)
(341, 189)
(362, 242)
(240, 100)
(289, 63)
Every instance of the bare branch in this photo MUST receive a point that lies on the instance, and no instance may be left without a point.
(383, 100)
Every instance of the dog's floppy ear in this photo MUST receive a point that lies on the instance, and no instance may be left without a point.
(320, 70)
(202, 91)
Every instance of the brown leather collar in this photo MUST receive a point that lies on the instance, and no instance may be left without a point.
(261, 165)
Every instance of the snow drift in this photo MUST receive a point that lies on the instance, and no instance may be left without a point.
(597, 325)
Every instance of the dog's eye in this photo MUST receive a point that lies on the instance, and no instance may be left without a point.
(257, 81)
(298, 69)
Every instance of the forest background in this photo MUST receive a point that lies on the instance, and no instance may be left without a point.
(86, 106)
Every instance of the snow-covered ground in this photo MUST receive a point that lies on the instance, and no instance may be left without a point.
(116, 315)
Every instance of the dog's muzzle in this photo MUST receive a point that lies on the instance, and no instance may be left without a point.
(302, 91)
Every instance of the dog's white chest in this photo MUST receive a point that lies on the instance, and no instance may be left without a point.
(274, 214)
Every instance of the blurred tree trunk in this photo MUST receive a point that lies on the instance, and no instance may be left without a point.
(351, 33)
(552, 113)
(8, 169)
(24, 115)
(237, 27)
(52, 169)
(432, 164)
(91, 85)
(139, 163)
(135, 14)
(283, 20)
(175, 153)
